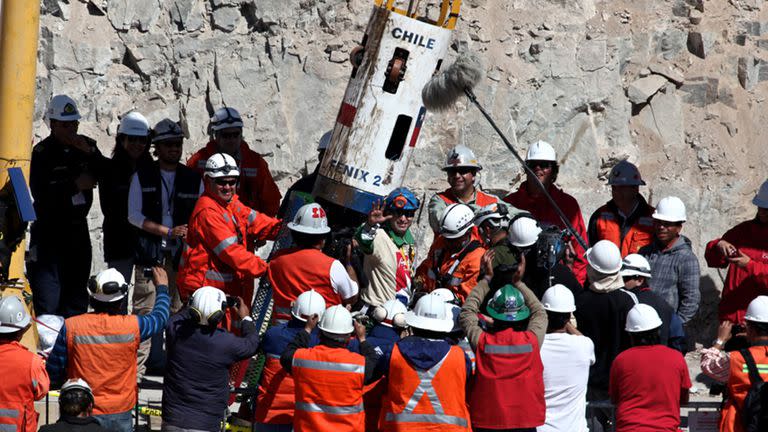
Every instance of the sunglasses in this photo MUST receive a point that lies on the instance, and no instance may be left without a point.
(542, 164)
(460, 170)
(406, 213)
(230, 135)
(226, 182)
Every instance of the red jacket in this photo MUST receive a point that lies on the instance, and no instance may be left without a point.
(24, 382)
(293, 271)
(508, 389)
(216, 247)
(257, 189)
(742, 285)
(543, 211)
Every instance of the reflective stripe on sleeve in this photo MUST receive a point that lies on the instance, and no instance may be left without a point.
(10, 413)
(328, 366)
(101, 340)
(313, 407)
(227, 242)
(7, 428)
(219, 277)
(508, 349)
(252, 216)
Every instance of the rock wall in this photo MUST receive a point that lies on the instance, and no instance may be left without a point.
(677, 86)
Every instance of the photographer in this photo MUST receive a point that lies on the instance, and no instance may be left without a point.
(200, 353)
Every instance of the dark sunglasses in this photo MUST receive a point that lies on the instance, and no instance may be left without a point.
(543, 164)
(460, 170)
(230, 135)
(406, 213)
(226, 182)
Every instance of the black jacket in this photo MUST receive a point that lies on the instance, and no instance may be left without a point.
(74, 424)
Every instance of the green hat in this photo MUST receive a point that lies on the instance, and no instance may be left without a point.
(508, 305)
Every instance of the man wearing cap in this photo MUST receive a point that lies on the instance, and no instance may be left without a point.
(389, 248)
(305, 267)
(63, 173)
(625, 219)
(508, 388)
(303, 186)
(75, 409)
(674, 267)
(566, 355)
(732, 368)
(219, 231)
(461, 167)
(256, 187)
(649, 381)
(329, 378)
(456, 265)
(101, 347)
(743, 249)
(200, 354)
(25, 379)
(542, 160)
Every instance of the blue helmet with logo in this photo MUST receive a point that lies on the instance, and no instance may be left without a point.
(401, 199)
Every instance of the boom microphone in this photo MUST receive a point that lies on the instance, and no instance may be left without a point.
(447, 86)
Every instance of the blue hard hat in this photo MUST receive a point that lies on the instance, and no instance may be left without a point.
(401, 199)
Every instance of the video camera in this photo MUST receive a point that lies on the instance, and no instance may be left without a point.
(551, 246)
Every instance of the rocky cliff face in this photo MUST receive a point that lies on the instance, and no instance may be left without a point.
(676, 86)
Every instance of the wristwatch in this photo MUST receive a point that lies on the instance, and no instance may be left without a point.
(719, 344)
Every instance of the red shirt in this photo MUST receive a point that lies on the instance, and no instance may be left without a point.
(646, 384)
(742, 285)
(543, 211)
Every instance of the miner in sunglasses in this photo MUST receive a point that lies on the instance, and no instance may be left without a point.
(542, 161)
(257, 188)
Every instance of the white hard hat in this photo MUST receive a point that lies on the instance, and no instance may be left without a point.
(225, 118)
(461, 156)
(336, 321)
(524, 232)
(77, 384)
(431, 313)
(625, 173)
(445, 294)
(48, 327)
(670, 209)
(310, 219)
(221, 165)
(63, 108)
(635, 265)
(761, 199)
(307, 304)
(207, 305)
(542, 151)
(325, 140)
(166, 129)
(757, 311)
(456, 221)
(454, 311)
(496, 212)
(391, 313)
(604, 257)
(558, 298)
(642, 317)
(134, 124)
(108, 286)
(13, 315)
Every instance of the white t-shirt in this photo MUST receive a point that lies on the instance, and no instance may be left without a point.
(566, 360)
(344, 286)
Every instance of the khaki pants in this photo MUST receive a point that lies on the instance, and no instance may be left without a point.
(144, 295)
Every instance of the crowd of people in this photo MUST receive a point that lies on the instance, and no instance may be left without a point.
(509, 323)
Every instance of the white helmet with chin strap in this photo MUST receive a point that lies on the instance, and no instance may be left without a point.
(225, 118)
(307, 304)
(635, 265)
(456, 220)
(134, 124)
(166, 129)
(310, 219)
(336, 322)
(541, 151)
(221, 165)
(13, 315)
(461, 157)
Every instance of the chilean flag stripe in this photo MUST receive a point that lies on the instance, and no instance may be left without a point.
(417, 128)
(346, 114)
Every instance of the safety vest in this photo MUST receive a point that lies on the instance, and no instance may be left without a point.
(508, 389)
(457, 272)
(293, 271)
(482, 199)
(426, 400)
(17, 399)
(101, 349)
(275, 400)
(329, 389)
(638, 235)
(738, 386)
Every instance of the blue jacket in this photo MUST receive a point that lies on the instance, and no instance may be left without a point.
(277, 338)
(383, 339)
(196, 384)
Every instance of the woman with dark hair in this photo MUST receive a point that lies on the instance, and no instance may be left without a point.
(131, 150)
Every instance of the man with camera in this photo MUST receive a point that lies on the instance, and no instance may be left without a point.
(101, 347)
(200, 353)
(161, 198)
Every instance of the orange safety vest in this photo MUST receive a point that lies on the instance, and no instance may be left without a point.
(738, 386)
(275, 400)
(329, 389)
(17, 399)
(482, 199)
(426, 400)
(293, 271)
(101, 349)
(638, 235)
(457, 272)
(508, 360)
